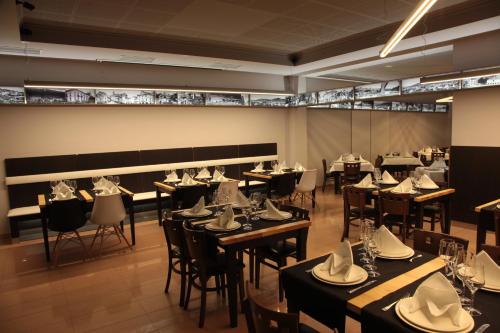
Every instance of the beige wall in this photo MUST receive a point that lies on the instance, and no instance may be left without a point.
(37, 131)
(333, 132)
(476, 116)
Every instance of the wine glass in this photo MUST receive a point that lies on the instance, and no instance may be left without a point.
(74, 185)
(216, 202)
(274, 165)
(255, 165)
(474, 282)
(373, 251)
(447, 252)
(255, 200)
(247, 211)
(459, 262)
(377, 174)
(116, 180)
(192, 173)
(222, 169)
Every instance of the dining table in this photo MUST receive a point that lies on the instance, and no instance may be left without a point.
(486, 221)
(331, 304)
(88, 197)
(270, 178)
(337, 169)
(263, 232)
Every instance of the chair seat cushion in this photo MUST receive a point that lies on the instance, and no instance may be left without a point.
(148, 195)
(23, 211)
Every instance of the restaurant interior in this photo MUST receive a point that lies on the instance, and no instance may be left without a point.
(250, 166)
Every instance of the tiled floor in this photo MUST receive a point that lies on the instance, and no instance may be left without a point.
(122, 291)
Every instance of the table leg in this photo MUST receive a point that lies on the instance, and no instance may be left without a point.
(247, 186)
(447, 215)
(314, 197)
(232, 281)
(158, 205)
(45, 231)
(301, 243)
(131, 215)
(419, 212)
(336, 177)
(292, 306)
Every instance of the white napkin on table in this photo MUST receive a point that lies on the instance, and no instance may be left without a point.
(226, 220)
(274, 212)
(491, 270)
(241, 200)
(204, 173)
(108, 188)
(350, 158)
(365, 182)
(438, 164)
(427, 183)
(63, 192)
(439, 298)
(187, 180)
(341, 261)
(60, 187)
(361, 159)
(172, 176)
(388, 178)
(428, 150)
(298, 167)
(388, 244)
(340, 159)
(259, 167)
(404, 187)
(198, 207)
(218, 177)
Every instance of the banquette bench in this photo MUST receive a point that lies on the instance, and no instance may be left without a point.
(27, 177)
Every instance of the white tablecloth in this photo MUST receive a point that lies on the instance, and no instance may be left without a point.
(339, 167)
(399, 160)
(436, 175)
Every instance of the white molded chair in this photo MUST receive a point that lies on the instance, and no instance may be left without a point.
(306, 185)
(231, 188)
(107, 213)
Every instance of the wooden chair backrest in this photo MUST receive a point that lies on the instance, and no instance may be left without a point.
(352, 169)
(378, 161)
(428, 241)
(355, 197)
(435, 155)
(174, 234)
(394, 203)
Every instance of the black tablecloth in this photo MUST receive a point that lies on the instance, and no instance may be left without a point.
(327, 303)
(374, 320)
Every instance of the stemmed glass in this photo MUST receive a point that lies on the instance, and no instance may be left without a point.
(247, 211)
(216, 202)
(255, 201)
(377, 175)
(73, 185)
(192, 173)
(274, 165)
(366, 236)
(222, 170)
(472, 273)
(255, 165)
(373, 251)
(116, 180)
(53, 184)
(447, 252)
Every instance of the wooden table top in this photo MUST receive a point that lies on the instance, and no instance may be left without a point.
(422, 197)
(491, 203)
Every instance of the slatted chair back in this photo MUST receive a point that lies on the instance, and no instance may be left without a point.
(196, 244)
(265, 320)
(352, 170)
(354, 197)
(285, 184)
(428, 241)
(493, 252)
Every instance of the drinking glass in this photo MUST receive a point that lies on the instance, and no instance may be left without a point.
(459, 262)
(255, 165)
(192, 173)
(222, 169)
(95, 180)
(377, 174)
(73, 185)
(247, 211)
(255, 200)
(446, 252)
(216, 202)
(116, 180)
(274, 165)
(474, 282)
(373, 251)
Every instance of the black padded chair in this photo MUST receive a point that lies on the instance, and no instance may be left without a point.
(65, 217)
(428, 241)
(202, 266)
(177, 254)
(283, 186)
(187, 196)
(327, 175)
(263, 320)
(276, 254)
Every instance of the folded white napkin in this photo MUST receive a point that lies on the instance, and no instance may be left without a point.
(108, 188)
(63, 192)
(218, 177)
(350, 158)
(365, 182)
(298, 167)
(388, 178)
(427, 183)
(259, 167)
(274, 212)
(341, 261)
(491, 270)
(340, 159)
(438, 164)
(439, 298)
(60, 187)
(241, 200)
(172, 176)
(388, 244)
(428, 150)
(200, 205)
(361, 159)
(204, 173)
(404, 187)
(226, 220)
(187, 180)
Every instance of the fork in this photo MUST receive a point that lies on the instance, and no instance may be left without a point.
(388, 307)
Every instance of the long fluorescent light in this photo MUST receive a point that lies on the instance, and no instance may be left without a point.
(124, 87)
(448, 99)
(461, 75)
(419, 11)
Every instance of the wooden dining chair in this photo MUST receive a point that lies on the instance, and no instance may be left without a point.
(436, 155)
(327, 175)
(275, 255)
(355, 208)
(352, 173)
(65, 217)
(492, 250)
(263, 320)
(428, 241)
(177, 254)
(202, 266)
(394, 209)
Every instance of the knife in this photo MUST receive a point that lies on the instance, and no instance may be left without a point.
(361, 286)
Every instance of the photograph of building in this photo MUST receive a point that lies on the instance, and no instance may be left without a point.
(166, 97)
(191, 98)
(381, 105)
(11, 95)
(336, 95)
(307, 99)
(119, 96)
(341, 105)
(226, 99)
(413, 107)
(268, 100)
(493, 80)
(45, 96)
(80, 96)
(398, 106)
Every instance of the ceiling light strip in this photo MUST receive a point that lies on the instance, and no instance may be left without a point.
(419, 11)
(460, 76)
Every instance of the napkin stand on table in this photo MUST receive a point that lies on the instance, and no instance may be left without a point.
(427, 183)
(172, 176)
(259, 167)
(226, 220)
(204, 173)
(388, 178)
(438, 164)
(389, 244)
(274, 212)
(365, 182)
(341, 262)
(242, 200)
(491, 270)
(298, 167)
(187, 180)
(218, 176)
(198, 207)
(404, 187)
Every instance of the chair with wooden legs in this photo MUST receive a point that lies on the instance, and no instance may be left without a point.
(394, 209)
(277, 253)
(203, 266)
(355, 208)
(306, 186)
(65, 217)
(263, 320)
(108, 212)
(327, 175)
(428, 241)
(177, 254)
(492, 250)
(352, 173)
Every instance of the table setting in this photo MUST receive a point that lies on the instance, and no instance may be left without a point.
(224, 222)
(197, 211)
(62, 190)
(274, 214)
(338, 164)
